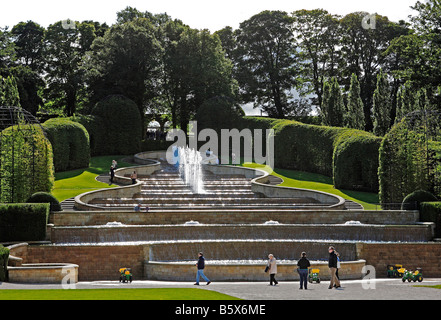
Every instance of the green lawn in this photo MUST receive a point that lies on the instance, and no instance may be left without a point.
(313, 181)
(114, 294)
(432, 287)
(69, 184)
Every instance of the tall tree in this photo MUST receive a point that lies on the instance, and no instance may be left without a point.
(28, 39)
(267, 61)
(317, 32)
(382, 105)
(65, 43)
(354, 116)
(7, 52)
(9, 95)
(332, 111)
(124, 61)
(363, 50)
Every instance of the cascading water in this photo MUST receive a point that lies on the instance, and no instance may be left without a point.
(190, 169)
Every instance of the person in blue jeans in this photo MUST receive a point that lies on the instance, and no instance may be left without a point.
(201, 267)
(303, 265)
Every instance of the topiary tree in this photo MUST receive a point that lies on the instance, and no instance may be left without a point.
(413, 200)
(26, 159)
(122, 124)
(44, 197)
(70, 142)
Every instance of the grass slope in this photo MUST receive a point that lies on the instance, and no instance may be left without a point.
(114, 294)
(69, 184)
(313, 181)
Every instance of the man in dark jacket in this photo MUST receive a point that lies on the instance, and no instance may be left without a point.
(201, 266)
(303, 265)
(332, 264)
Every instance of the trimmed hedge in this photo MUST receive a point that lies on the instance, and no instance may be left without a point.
(97, 133)
(44, 197)
(408, 162)
(413, 200)
(349, 156)
(23, 222)
(431, 212)
(122, 125)
(4, 257)
(70, 142)
(355, 161)
(26, 163)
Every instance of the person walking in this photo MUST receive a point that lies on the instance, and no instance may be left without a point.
(303, 265)
(272, 269)
(112, 174)
(338, 266)
(332, 264)
(201, 266)
(134, 176)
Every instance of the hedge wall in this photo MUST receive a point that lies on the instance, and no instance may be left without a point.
(431, 212)
(122, 125)
(349, 156)
(23, 222)
(97, 133)
(355, 161)
(26, 163)
(70, 142)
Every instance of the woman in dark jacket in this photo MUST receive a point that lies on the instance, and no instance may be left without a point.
(303, 265)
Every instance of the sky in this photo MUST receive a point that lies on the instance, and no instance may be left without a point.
(199, 14)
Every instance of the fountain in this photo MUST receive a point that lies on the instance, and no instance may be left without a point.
(190, 168)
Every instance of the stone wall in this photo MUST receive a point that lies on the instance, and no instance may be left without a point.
(99, 262)
(237, 216)
(95, 262)
(410, 255)
(107, 234)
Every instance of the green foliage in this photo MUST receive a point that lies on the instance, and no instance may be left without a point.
(9, 95)
(23, 222)
(121, 123)
(332, 109)
(349, 156)
(4, 256)
(97, 132)
(354, 115)
(409, 161)
(26, 163)
(44, 197)
(355, 161)
(382, 106)
(266, 62)
(413, 200)
(431, 212)
(70, 142)
(218, 113)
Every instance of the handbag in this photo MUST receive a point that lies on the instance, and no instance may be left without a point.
(266, 269)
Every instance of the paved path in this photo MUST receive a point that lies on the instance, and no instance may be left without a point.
(385, 289)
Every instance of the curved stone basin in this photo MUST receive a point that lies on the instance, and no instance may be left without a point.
(47, 273)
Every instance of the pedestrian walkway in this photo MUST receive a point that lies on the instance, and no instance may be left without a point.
(380, 289)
